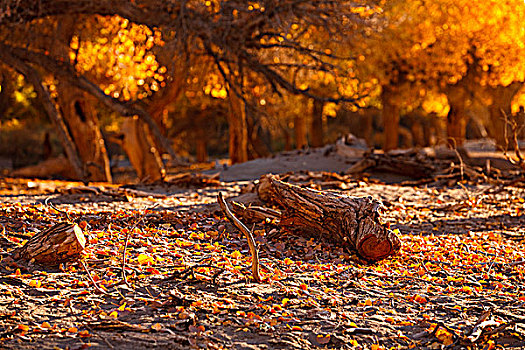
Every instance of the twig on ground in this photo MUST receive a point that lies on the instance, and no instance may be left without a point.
(251, 242)
(48, 202)
(100, 290)
(123, 266)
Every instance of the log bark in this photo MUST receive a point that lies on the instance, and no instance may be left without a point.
(351, 222)
(59, 244)
(409, 163)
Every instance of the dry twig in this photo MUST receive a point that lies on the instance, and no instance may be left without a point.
(247, 233)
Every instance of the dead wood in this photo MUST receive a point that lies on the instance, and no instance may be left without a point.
(352, 222)
(59, 244)
(252, 214)
(246, 232)
(59, 166)
(412, 164)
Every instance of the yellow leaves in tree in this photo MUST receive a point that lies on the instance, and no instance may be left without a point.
(121, 54)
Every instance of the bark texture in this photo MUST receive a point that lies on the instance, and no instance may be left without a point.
(141, 151)
(59, 244)
(351, 222)
(79, 113)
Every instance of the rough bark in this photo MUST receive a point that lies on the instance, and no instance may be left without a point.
(351, 222)
(390, 116)
(82, 121)
(500, 112)
(300, 133)
(80, 114)
(141, 151)
(59, 244)
(316, 127)
(238, 130)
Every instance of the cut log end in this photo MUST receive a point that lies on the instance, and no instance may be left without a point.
(374, 248)
(62, 243)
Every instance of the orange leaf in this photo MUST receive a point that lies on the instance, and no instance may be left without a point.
(157, 327)
(23, 327)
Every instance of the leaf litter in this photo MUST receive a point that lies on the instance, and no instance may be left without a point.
(169, 271)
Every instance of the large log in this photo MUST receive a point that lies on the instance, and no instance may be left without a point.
(59, 244)
(351, 222)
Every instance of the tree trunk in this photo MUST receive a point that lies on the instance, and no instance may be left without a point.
(59, 244)
(201, 146)
(33, 77)
(300, 132)
(7, 82)
(390, 116)
(81, 118)
(80, 114)
(458, 101)
(351, 222)
(501, 113)
(258, 145)
(141, 151)
(316, 127)
(238, 130)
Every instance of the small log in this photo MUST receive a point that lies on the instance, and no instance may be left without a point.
(59, 244)
(351, 222)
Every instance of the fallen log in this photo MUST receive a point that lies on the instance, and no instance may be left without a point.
(59, 244)
(351, 222)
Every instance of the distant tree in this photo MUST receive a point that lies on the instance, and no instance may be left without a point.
(238, 40)
(464, 49)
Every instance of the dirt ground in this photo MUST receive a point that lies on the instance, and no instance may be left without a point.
(458, 281)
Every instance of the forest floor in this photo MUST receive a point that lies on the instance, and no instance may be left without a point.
(458, 281)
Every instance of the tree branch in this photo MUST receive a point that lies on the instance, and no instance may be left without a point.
(66, 72)
(34, 79)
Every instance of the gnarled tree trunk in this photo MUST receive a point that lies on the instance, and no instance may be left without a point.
(141, 150)
(458, 100)
(81, 118)
(351, 222)
(80, 114)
